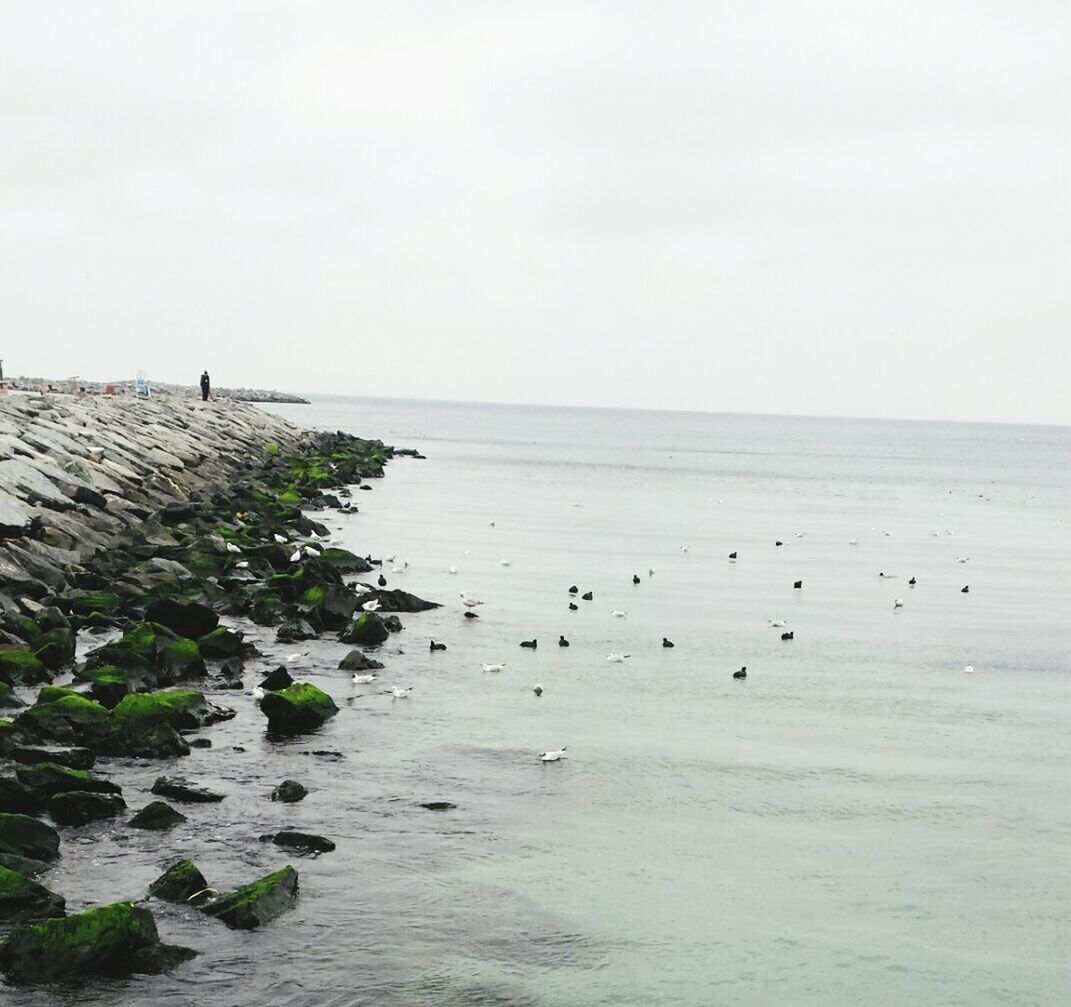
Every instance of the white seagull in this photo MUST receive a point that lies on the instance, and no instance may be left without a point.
(617, 658)
(294, 658)
(258, 693)
(963, 559)
(363, 679)
(778, 623)
(309, 551)
(359, 589)
(493, 667)
(899, 603)
(469, 602)
(618, 614)
(505, 562)
(684, 548)
(242, 565)
(389, 559)
(452, 569)
(281, 539)
(969, 669)
(553, 755)
(371, 606)
(399, 693)
(853, 541)
(295, 556)
(231, 547)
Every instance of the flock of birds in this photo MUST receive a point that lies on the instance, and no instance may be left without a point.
(469, 605)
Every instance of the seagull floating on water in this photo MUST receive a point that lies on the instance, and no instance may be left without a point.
(617, 658)
(617, 613)
(399, 693)
(899, 603)
(963, 559)
(778, 623)
(554, 755)
(292, 658)
(367, 679)
(505, 562)
(452, 569)
(493, 667)
(853, 541)
(684, 548)
(969, 669)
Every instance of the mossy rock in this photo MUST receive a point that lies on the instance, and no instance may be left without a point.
(88, 602)
(22, 667)
(221, 643)
(50, 778)
(256, 904)
(108, 685)
(179, 883)
(8, 699)
(289, 792)
(68, 719)
(56, 648)
(157, 816)
(135, 649)
(297, 708)
(180, 660)
(24, 836)
(72, 757)
(16, 798)
(50, 693)
(355, 660)
(183, 709)
(115, 940)
(367, 630)
(25, 901)
(80, 808)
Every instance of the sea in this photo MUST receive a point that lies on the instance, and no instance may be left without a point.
(879, 813)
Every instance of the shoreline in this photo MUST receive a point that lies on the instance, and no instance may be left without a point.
(136, 524)
(127, 387)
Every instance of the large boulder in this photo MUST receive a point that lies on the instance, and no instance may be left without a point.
(109, 684)
(73, 757)
(156, 816)
(298, 708)
(183, 709)
(367, 630)
(256, 904)
(187, 619)
(115, 940)
(55, 648)
(25, 901)
(79, 808)
(61, 716)
(397, 600)
(221, 643)
(50, 779)
(179, 883)
(294, 631)
(277, 678)
(17, 798)
(23, 836)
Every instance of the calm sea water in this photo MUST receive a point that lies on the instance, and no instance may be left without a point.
(859, 820)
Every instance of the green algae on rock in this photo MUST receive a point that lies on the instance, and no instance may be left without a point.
(258, 903)
(24, 836)
(50, 778)
(297, 708)
(156, 816)
(77, 807)
(19, 666)
(25, 901)
(179, 883)
(113, 940)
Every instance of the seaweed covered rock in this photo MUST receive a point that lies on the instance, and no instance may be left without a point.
(19, 666)
(8, 699)
(256, 904)
(156, 816)
(183, 709)
(114, 940)
(63, 717)
(297, 708)
(25, 901)
(55, 648)
(148, 646)
(109, 684)
(398, 601)
(79, 808)
(72, 757)
(289, 792)
(179, 883)
(367, 630)
(27, 837)
(356, 660)
(50, 778)
(188, 619)
(180, 789)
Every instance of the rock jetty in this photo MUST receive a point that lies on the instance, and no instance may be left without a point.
(151, 522)
(127, 387)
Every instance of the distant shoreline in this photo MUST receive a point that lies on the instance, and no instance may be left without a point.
(78, 386)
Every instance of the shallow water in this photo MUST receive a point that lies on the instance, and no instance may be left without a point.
(859, 819)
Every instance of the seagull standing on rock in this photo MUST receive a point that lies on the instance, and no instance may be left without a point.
(371, 606)
(295, 556)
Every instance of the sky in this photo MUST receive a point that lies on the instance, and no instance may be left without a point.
(831, 208)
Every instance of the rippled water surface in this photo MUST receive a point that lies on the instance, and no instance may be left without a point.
(858, 821)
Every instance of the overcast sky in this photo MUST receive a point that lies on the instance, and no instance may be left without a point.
(841, 208)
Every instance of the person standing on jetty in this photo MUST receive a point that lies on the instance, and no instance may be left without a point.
(206, 386)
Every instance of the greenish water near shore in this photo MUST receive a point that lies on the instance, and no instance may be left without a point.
(860, 819)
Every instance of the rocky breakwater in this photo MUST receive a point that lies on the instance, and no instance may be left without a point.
(127, 530)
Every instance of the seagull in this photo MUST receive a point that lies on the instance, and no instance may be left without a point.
(292, 658)
(371, 606)
(505, 562)
(359, 589)
(469, 602)
(538, 690)
(617, 613)
(310, 551)
(493, 667)
(399, 693)
(389, 559)
(452, 569)
(363, 679)
(281, 539)
(295, 556)
(684, 548)
(887, 533)
(397, 569)
(969, 669)
(231, 547)
(963, 559)
(899, 603)
(853, 541)
(242, 565)
(258, 693)
(778, 623)
(552, 756)
(617, 658)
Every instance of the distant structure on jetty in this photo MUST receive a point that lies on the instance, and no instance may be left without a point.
(78, 386)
